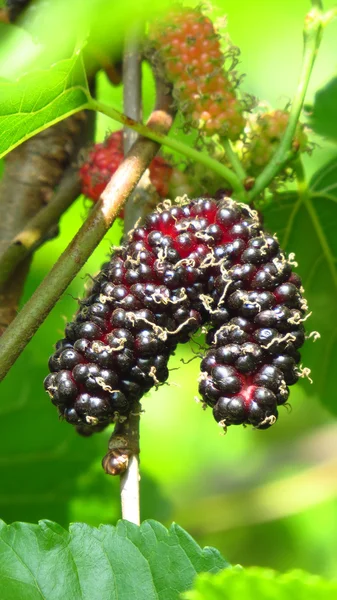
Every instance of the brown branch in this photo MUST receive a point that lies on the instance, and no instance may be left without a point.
(11, 293)
(38, 227)
(31, 173)
(33, 170)
(120, 186)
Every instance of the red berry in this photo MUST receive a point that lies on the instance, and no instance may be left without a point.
(104, 159)
(264, 139)
(190, 50)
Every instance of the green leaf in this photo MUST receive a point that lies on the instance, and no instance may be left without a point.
(261, 584)
(109, 563)
(40, 99)
(323, 114)
(324, 182)
(307, 226)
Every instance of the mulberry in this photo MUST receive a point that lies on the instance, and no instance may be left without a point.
(189, 47)
(257, 331)
(144, 302)
(104, 159)
(264, 138)
(203, 262)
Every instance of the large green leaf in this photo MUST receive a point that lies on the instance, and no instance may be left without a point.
(307, 225)
(261, 584)
(39, 99)
(39, 83)
(323, 183)
(323, 113)
(109, 563)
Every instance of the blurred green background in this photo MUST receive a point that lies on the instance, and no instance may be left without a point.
(262, 497)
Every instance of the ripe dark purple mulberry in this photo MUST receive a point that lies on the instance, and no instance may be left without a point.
(254, 352)
(189, 265)
(143, 302)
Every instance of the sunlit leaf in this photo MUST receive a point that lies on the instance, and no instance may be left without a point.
(109, 563)
(40, 99)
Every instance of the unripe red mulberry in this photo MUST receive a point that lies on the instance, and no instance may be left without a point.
(264, 138)
(190, 50)
(203, 262)
(104, 159)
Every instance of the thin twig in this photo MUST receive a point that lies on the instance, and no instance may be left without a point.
(36, 230)
(132, 84)
(132, 104)
(92, 231)
(313, 28)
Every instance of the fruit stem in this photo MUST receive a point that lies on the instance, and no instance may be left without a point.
(37, 229)
(130, 491)
(122, 459)
(313, 28)
(234, 159)
(122, 183)
(224, 172)
(130, 501)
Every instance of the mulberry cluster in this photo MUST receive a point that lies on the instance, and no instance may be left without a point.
(104, 159)
(200, 263)
(265, 137)
(190, 50)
